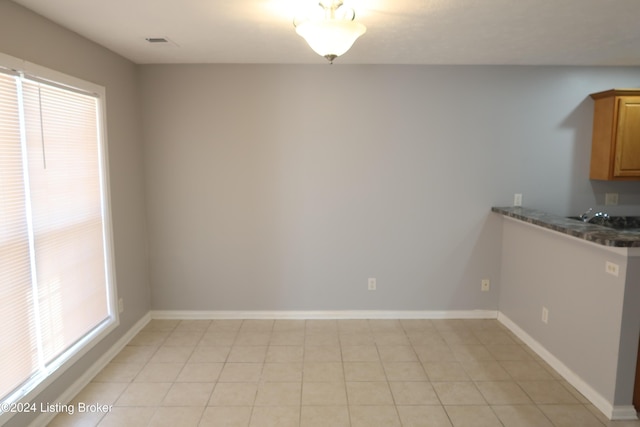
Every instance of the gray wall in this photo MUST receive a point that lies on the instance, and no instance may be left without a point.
(285, 187)
(30, 37)
(628, 355)
(593, 322)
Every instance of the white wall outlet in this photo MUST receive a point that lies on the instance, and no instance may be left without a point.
(120, 305)
(610, 199)
(611, 268)
(545, 315)
(517, 199)
(371, 284)
(485, 286)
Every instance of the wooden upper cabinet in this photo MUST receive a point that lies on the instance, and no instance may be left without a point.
(615, 149)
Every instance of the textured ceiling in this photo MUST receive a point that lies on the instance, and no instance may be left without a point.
(527, 32)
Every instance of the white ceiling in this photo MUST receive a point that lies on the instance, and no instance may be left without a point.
(531, 32)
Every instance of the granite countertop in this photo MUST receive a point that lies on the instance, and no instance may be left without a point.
(590, 232)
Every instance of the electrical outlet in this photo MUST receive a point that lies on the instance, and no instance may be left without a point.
(371, 284)
(611, 268)
(545, 315)
(485, 286)
(610, 199)
(517, 199)
(120, 305)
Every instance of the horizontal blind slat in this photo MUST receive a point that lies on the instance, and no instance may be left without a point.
(18, 358)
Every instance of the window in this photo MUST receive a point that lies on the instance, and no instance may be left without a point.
(56, 276)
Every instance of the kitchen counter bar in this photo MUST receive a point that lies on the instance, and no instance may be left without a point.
(590, 232)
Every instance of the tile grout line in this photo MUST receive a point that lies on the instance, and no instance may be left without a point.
(444, 327)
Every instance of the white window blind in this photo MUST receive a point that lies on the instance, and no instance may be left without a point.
(56, 294)
(18, 357)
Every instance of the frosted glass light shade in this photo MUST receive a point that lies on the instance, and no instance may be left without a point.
(331, 37)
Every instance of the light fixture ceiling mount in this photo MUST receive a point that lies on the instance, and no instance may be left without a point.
(332, 34)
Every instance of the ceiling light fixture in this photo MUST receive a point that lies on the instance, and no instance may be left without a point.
(334, 33)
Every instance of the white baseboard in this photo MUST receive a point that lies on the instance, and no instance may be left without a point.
(606, 407)
(624, 413)
(339, 314)
(75, 388)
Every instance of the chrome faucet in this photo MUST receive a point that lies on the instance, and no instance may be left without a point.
(586, 218)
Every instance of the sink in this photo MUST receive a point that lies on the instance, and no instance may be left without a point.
(617, 222)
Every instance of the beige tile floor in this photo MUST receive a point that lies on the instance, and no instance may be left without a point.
(331, 373)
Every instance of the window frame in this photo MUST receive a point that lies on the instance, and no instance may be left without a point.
(29, 390)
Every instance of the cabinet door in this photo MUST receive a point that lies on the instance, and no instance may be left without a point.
(627, 160)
